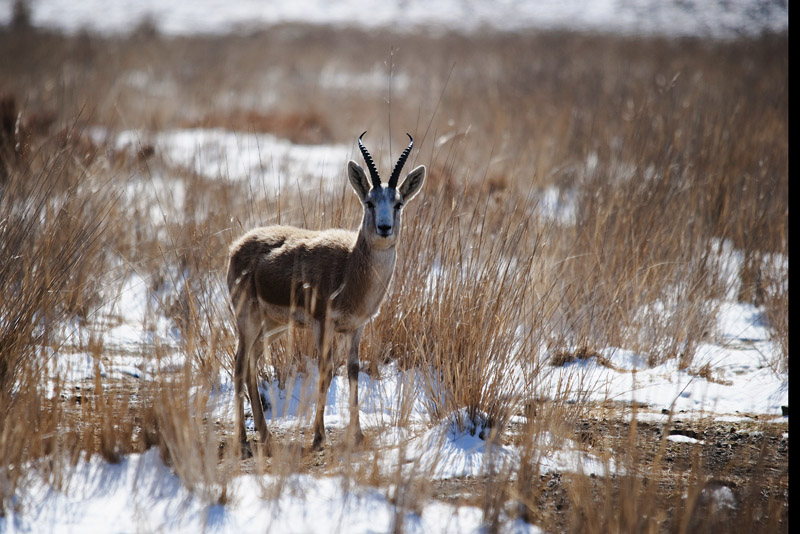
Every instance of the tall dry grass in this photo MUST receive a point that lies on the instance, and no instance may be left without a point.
(51, 241)
(662, 150)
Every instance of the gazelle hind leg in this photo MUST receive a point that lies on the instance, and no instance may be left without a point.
(239, 378)
(270, 332)
(248, 324)
(259, 419)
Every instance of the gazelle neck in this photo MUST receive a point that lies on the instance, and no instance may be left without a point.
(378, 256)
(369, 276)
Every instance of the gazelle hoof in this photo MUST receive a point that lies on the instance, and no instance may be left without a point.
(358, 438)
(250, 450)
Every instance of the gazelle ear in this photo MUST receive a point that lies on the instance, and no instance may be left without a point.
(413, 183)
(358, 179)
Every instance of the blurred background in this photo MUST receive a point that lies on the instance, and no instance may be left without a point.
(603, 232)
(712, 18)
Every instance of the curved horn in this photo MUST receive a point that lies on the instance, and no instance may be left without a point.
(373, 170)
(400, 162)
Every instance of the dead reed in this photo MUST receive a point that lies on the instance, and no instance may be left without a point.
(660, 150)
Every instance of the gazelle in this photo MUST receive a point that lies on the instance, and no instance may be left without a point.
(332, 281)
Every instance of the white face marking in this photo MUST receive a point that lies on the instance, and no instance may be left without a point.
(382, 212)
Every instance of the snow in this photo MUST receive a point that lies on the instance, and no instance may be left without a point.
(559, 206)
(742, 322)
(711, 18)
(742, 383)
(142, 494)
(722, 497)
(264, 159)
(457, 447)
(677, 438)
(123, 322)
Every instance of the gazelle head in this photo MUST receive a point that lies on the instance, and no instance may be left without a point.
(383, 204)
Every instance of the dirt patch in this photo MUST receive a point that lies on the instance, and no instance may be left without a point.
(717, 475)
(301, 127)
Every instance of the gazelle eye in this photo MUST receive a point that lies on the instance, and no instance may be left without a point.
(369, 204)
(398, 205)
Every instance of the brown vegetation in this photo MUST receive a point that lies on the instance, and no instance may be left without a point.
(665, 149)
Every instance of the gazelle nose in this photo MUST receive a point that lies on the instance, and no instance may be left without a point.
(384, 229)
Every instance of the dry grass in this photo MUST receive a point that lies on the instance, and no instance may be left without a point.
(664, 149)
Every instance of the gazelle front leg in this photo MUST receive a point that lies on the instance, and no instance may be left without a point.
(354, 429)
(324, 336)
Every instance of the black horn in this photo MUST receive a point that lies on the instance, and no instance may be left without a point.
(373, 170)
(400, 162)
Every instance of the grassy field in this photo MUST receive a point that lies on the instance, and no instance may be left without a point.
(666, 151)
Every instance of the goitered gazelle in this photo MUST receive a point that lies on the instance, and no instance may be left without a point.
(332, 281)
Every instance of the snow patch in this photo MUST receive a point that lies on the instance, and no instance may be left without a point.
(142, 494)
(264, 160)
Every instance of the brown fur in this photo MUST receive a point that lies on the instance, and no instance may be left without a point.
(332, 281)
(311, 271)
